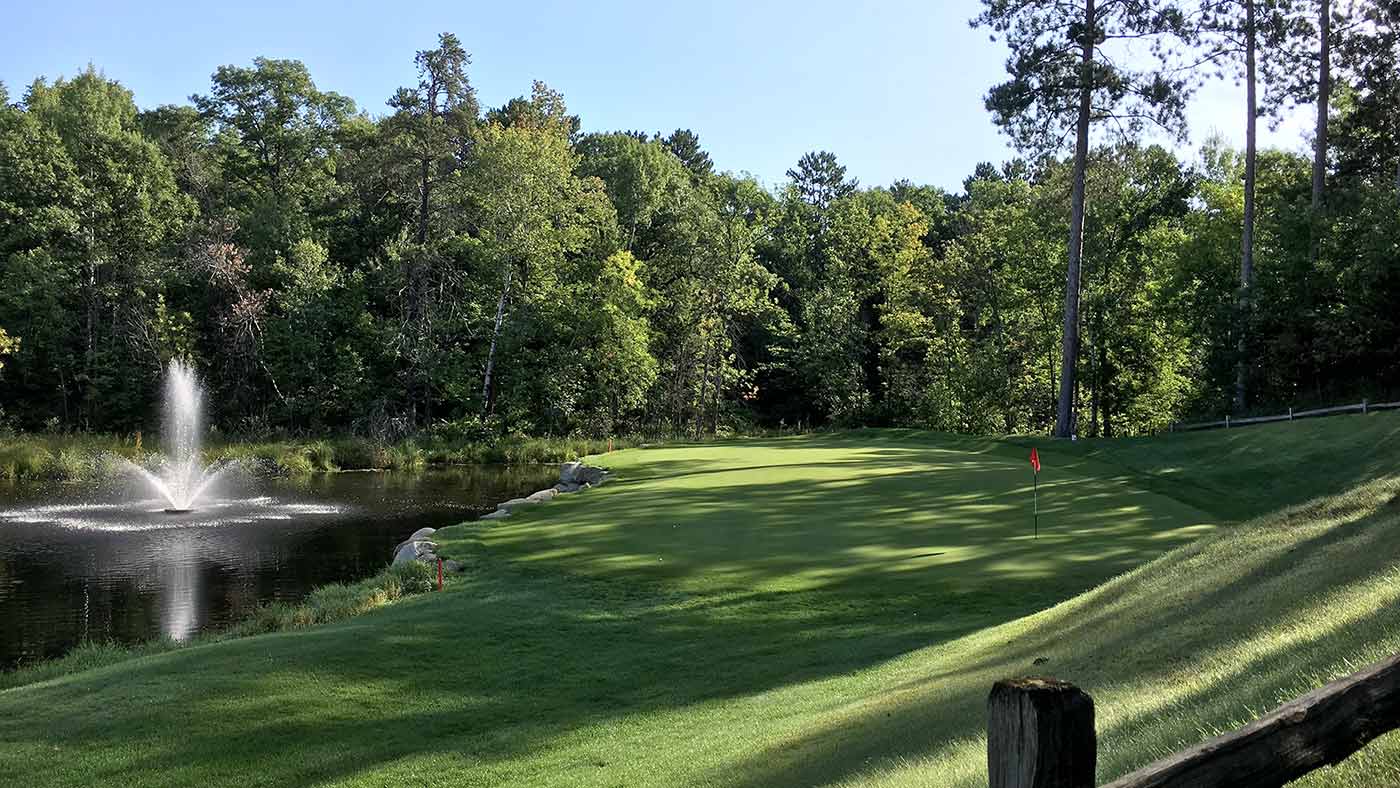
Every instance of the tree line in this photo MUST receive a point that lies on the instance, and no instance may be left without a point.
(474, 270)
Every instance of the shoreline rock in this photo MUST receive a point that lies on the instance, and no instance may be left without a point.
(574, 477)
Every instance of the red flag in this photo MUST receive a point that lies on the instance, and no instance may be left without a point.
(1035, 460)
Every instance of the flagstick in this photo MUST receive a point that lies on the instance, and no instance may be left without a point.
(1036, 503)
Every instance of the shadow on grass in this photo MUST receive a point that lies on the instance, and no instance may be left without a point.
(1167, 667)
(705, 585)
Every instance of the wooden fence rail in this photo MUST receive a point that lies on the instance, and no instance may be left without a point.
(1361, 407)
(1040, 734)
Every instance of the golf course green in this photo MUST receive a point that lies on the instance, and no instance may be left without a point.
(827, 609)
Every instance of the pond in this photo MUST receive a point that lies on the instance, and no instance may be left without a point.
(79, 564)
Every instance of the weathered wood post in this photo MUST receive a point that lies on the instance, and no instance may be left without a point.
(1040, 734)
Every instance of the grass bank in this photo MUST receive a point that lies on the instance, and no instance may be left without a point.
(326, 605)
(796, 611)
(87, 457)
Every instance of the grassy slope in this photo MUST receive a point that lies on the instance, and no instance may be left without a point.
(789, 612)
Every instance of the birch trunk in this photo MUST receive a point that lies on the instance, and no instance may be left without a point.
(488, 391)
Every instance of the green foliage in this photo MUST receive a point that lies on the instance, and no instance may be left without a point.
(457, 277)
(8, 345)
(322, 456)
(1039, 103)
(294, 462)
(404, 456)
(24, 461)
(68, 457)
(357, 454)
(92, 209)
(340, 601)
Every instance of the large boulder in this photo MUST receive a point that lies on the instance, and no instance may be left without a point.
(413, 550)
(423, 533)
(499, 514)
(589, 474)
(565, 488)
(542, 495)
(568, 472)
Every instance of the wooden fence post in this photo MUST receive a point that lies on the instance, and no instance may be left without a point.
(1227, 421)
(1290, 413)
(1040, 734)
(1363, 407)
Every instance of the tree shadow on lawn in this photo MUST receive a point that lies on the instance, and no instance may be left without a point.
(592, 610)
(1136, 644)
(837, 521)
(493, 672)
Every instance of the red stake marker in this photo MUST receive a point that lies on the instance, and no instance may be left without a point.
(1035, 463)
(439, 574)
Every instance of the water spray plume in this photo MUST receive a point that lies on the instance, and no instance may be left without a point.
(183, 479)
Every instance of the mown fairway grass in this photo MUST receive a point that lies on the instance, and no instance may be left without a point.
(791, 612)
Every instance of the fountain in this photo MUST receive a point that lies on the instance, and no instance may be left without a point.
(183, 479)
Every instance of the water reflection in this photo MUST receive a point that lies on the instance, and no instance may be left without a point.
(179, 590)
(75, 568)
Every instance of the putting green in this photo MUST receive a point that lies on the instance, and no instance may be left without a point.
(908, 513)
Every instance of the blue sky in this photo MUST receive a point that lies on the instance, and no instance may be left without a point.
(893, 87)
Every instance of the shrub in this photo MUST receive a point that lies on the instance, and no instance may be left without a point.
(406, 456)
(334, 602)
(358, 454)
(472, 429)
(71, 464)
(271, 617)
(340, 601)
(293, 461)
(322, 456)
(409, 577)
(25, 461)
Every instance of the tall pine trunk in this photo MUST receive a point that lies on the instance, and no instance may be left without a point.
(1246, 300)
(1324, 95)
(704, 392)
(1069, 349)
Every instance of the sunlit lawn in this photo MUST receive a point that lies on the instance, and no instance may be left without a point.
(782, 612)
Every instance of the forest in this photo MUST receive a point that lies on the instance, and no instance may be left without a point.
(437, 265)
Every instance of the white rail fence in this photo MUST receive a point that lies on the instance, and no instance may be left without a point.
(1361, 407)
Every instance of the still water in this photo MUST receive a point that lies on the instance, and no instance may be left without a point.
(79, 564)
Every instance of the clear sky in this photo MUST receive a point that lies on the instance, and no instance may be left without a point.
(893, 87)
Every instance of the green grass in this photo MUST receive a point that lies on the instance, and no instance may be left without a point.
(66, 457)
(1247, 471)
(794, 611)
